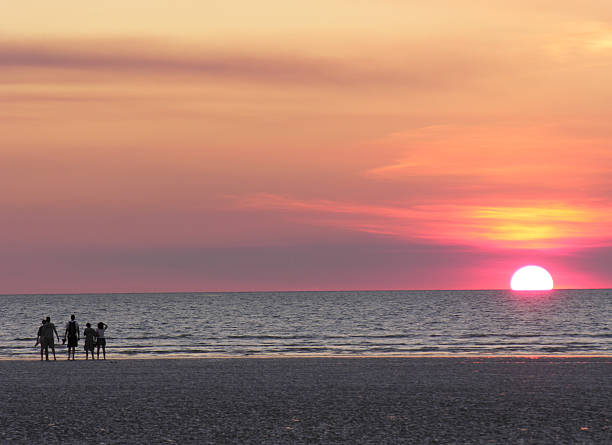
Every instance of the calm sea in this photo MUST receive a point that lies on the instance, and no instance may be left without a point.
(486, 322)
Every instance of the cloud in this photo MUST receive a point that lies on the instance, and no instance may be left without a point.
(520, 162)
(550, 225)
(133, 57)
(442, 68)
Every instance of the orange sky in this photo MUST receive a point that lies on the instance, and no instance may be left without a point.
(303, 145)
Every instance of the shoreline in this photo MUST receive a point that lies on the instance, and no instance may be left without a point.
(294, 291)
(61, 356)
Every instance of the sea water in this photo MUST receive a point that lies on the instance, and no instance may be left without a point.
(487, 322)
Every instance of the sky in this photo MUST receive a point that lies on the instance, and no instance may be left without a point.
(323, 145)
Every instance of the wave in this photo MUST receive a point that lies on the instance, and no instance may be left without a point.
(272, 337)
(535, 335)
(160, 337)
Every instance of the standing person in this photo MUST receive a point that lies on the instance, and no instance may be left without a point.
(39, 337)
(47, 331)
(90, 340)
(101, 339)
(73, 334)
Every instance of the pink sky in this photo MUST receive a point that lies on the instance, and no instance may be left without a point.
(322, 145)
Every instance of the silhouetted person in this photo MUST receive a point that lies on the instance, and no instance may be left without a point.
(47, 331)
(73, 335)
(101, 339)
(39, 338)
(90, 340)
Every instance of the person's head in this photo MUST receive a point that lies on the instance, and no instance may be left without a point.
(100, 325)
(44, 321)
(72, 317)
(48, 319)
(88, 325)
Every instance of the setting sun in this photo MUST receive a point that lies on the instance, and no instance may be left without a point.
(531, 278)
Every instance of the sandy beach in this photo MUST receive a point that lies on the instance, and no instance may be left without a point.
(308, 400)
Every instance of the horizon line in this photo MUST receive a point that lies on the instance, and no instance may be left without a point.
(287, 291)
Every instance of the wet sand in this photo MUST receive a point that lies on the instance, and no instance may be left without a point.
(308, 400)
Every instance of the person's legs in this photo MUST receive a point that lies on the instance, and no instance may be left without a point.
(53, 349)
(44, 346)
(98, 351)
(104, 351)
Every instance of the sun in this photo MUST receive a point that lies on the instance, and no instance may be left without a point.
(531, 278)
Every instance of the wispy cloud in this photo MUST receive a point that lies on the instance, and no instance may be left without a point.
(442, 68)
(520, 162)
(540, 225)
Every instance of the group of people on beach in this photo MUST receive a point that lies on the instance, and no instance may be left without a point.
(94, 338)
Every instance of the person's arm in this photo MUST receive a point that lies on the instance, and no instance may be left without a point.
(56, 334)
(38, 336)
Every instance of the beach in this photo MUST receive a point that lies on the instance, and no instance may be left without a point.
(421, 400)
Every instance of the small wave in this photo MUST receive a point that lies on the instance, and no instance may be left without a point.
(183, 351)
(130, 352)
(554, 349)
(162, 337)
(385, 336)
(294, 350)
(427, 349)
(270, 337)
(508, 335)
(383, 349)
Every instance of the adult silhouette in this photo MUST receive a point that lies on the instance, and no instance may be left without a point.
(90, 340)
(47, 331)
(39, 338)
(73, 334)
(101, 343)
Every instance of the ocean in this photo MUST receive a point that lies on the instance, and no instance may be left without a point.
(485, 322)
